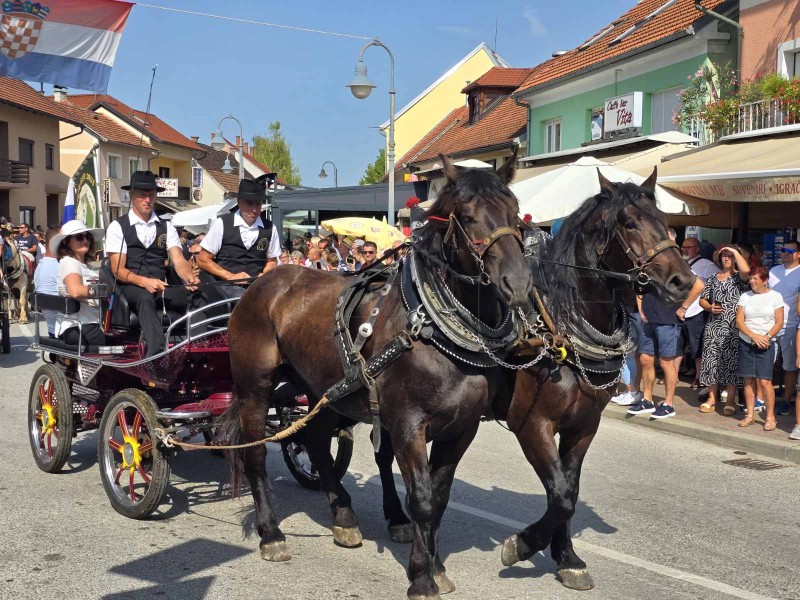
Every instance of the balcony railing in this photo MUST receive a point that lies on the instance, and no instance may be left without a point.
(752, 116)
(15, 172)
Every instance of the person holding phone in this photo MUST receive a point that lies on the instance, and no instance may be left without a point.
(721, 337)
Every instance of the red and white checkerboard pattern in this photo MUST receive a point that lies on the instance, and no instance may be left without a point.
(18, 35)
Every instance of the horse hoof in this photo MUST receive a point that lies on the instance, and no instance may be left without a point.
(349, 537)
(576, 579)
(275, 552)
(445, 585)
(421, 597)
(402, 534)
(508, 553)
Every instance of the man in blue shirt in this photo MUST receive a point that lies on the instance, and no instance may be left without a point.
(45, 279)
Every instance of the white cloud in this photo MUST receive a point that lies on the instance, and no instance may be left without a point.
(538, 28)
(456, 29)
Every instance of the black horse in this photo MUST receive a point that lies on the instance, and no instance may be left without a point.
(424, 396)
(619, 231)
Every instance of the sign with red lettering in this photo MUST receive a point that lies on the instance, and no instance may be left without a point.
(764, 189)
(623, 112)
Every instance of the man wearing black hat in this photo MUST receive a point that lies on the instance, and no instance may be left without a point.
(241, 244)
(138, 245)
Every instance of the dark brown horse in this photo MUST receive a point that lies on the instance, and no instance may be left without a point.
(284, 325)
(619, 230)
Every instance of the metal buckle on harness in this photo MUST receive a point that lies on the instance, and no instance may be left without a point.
(418, 320)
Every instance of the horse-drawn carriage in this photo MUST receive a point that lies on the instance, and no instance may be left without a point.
(127, 397)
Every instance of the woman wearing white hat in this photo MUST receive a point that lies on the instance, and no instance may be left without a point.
(73, 246)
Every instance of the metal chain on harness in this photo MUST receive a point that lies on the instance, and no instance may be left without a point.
(625, 351)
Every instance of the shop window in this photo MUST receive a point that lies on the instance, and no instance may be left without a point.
(552, 136)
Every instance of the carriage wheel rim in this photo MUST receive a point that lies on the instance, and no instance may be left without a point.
(127, 462)
(44, 425)
(295, 451)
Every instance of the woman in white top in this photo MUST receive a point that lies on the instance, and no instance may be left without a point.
(74, 246)
(759, 318)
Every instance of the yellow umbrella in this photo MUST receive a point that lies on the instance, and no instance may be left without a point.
(372, 230)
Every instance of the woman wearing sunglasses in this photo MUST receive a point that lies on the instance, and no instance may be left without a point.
(73, 247)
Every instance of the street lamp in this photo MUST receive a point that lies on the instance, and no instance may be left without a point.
(361, 87)
(218, 143)
(324, 175)
(227, 167)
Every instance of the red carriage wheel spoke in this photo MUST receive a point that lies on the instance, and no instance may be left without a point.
(146, 447)
(50, 444)
(144, 475)
(50, 392)
(42, 395)
(137, 423)
(115, 445)
(123, 424)
(133, 492)
(42, 435)
(38, 415)
(119, 474)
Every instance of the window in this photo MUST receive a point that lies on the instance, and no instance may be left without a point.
(163, 172)
(789, 58)
(49, 156)
(26, 152)
(134, 164)
(114, 166)
(26, 215)
(552, 136)
(663, 106)
(596, 124)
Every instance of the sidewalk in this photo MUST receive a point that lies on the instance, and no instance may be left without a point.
(715, 427)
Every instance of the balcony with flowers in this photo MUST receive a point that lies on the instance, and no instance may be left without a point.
(711, 106)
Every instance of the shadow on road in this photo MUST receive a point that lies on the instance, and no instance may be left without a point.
(20, 354)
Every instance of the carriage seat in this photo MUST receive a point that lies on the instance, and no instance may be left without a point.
(66, 306)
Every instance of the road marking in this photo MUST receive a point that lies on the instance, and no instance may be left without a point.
(698, 580)
(25, 330)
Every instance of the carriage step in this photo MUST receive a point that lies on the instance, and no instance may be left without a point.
(183, 416)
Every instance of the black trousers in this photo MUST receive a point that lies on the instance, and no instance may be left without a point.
(91, 334)
(148, 307)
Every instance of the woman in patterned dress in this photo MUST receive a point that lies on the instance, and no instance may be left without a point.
(721, 338)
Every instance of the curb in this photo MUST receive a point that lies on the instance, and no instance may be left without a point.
(788, 450)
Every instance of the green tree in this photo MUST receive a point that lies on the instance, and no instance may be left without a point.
(275, 152)
(376, 170)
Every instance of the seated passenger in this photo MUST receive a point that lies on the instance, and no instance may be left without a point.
(73, 247)
(45, 279)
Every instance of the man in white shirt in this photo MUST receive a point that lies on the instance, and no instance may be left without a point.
(138, 245)
(785, 279)
(242, 244)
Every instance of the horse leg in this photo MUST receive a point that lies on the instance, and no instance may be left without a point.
(412, 457)
(444, 459)
(22, 284)
(318, 445)
(253, 419)
(400, 528)
(539, 447)
(571, 569)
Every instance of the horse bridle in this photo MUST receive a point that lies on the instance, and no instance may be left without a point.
(638, 275)
(477, 248)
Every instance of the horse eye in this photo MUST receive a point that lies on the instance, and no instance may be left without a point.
(468, 220)
(630, 225)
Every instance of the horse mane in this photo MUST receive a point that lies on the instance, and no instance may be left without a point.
(594, 229)
(470, 185)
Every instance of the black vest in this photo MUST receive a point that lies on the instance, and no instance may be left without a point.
(150, 261)
(234, 257)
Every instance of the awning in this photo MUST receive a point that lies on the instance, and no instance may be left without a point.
(738, 169)
(667, 137)
(472, 163)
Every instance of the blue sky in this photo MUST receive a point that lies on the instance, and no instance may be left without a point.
(209, 68)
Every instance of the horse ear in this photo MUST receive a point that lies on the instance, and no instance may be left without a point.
(605, 184)
(450, 170)
(508, 168)
(650, 182)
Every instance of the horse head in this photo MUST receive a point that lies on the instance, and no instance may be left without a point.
(474, 223)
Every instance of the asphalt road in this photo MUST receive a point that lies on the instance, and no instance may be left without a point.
(660, 517)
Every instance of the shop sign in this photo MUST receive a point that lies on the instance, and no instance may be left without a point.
(623, 112)
(760, 189)
(170, 185)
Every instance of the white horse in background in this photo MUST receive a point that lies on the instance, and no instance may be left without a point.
(18, 272)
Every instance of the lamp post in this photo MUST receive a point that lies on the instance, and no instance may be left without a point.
(324, 175)
(361, 87)
(218, 143)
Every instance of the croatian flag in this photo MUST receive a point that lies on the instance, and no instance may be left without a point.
(64, 42)
(69, 203)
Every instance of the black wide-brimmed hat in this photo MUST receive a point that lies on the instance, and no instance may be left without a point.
(143, 180)
(254, 190)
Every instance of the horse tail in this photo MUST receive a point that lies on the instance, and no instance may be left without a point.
(230, 432)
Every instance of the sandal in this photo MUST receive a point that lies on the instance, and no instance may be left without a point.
(770, 425)
(729, 409)
(747, 421)
(707, 407)
(695, 384)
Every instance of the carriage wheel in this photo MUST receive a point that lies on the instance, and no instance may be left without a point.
(296, 457)
(135, 472)
(50, 423)
(5, 324)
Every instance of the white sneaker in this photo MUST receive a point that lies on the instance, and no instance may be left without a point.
(627, 398)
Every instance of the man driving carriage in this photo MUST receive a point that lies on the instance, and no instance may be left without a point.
(138, 245)
(242, 244)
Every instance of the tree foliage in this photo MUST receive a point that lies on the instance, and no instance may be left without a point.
(275, 152)
(376, 170)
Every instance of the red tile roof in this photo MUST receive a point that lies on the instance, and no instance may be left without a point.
(672, 21)
(19, 94)
(212, 162)
(154, 126)
(455, 135)
(500, 77)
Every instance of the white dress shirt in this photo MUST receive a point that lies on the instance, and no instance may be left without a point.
(249, 233)
(145, 231)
